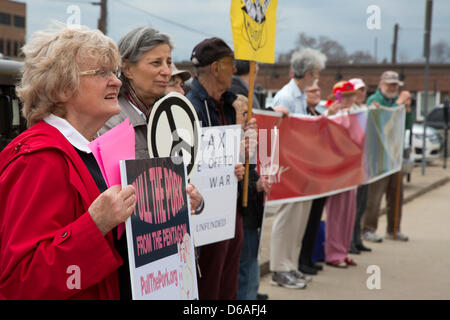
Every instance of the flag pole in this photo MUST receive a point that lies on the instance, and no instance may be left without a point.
(251, 84)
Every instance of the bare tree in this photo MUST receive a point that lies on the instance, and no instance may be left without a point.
(440, 52)
(335, 52)
(360, 56)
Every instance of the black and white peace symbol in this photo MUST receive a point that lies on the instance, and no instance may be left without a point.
(174, 130)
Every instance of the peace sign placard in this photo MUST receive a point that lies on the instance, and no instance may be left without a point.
(174, 130)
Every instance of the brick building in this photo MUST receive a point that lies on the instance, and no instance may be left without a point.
(12, 28)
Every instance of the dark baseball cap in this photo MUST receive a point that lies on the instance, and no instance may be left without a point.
(210, 50)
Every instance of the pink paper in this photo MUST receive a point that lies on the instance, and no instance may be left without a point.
(118, 146)
(96, 152)
(111, 147)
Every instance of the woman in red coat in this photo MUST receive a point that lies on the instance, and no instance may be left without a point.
(55, 223)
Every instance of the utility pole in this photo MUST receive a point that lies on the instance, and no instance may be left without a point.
(103, 15)
(426, 53)
(375, 49)
(394, 45)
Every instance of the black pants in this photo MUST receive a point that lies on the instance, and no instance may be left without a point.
(312, 228)
(361, 205)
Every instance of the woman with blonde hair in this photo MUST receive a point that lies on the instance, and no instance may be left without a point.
(56, 212)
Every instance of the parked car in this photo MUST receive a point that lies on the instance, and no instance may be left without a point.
(433, 141)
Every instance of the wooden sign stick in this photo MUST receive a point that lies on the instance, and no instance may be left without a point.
(251, 84)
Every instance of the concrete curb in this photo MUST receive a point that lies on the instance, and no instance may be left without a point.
(264, 267)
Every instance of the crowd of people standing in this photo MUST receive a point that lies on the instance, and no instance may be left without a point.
(55, 207)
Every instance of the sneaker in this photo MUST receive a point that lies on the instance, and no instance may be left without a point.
(370, 236)
(285, 279)
(300, 276)
(262, 296)
(400, 236)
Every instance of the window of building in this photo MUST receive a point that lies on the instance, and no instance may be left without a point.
(2, 51)
(5, 19)
(16, 49)
(8, 48)
(19, 21)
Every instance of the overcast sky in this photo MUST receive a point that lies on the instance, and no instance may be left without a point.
(188, 22)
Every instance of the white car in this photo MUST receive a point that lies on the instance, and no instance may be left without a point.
(433, 143)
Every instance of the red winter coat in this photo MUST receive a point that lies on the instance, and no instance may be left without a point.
(48, 239)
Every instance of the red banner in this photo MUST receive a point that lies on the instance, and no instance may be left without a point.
(316, 155)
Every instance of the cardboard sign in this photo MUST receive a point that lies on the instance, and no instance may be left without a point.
(214, 178)
(159, 237)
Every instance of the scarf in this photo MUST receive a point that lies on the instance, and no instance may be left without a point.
(131, 95)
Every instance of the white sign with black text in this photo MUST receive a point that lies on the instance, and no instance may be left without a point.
(214, 178)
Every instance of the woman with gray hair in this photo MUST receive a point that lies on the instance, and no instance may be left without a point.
(56, 223)
(146, 71)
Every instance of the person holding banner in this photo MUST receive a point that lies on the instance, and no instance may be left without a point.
(356, 245)
(55, 211)
(340, 208)
(146, 73)
(305, 260)
(252, 217)
(213, 59)
(290, 223)
(387, 95)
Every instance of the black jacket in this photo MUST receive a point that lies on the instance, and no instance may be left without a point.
(238, 86)
(206, 108)
(253, 214)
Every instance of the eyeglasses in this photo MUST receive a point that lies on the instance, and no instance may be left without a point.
(104, 73)
(313, 91)
(228, 61)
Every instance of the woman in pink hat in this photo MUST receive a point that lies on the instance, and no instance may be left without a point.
(340, 208)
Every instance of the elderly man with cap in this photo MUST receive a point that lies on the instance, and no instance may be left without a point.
(387, 95)
(291, 220)
(214, 62)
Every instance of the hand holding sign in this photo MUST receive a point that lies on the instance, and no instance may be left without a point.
(113, 207)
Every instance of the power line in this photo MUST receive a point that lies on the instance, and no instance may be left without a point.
(180, 25)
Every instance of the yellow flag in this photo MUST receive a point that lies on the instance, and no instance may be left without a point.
(253, 23)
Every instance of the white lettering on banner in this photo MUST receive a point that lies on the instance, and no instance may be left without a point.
(214, 224)
(276, 178)
(268, 162)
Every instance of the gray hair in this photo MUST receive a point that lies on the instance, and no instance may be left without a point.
(139, 41)
(307, 60)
